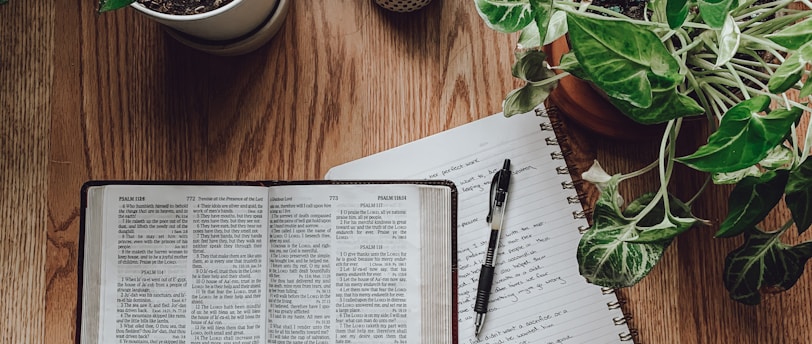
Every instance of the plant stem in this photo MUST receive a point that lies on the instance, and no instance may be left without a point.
(755, 74)
(641, 171)
(756, 79)
(615, 16)
(665, 162)
(772, 8)
(718, 80)
(671, 144)
(787, 224)
(699, 91)
(791, 102)
(743, 62)
(807, 143)
(716, 112)
(739, 81)
(682, 53)
(721, 101)
(767, 44)
(552, 79)
(794, 139)
(688, 47)
(776, 23)
(699, 192)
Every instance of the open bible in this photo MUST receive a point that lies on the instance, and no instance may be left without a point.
(268, 262)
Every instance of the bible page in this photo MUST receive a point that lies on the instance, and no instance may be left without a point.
(538, 295)
(344, 264)
(181, 264)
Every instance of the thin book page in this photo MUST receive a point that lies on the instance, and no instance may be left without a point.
(182, 262)
(538, 295)
(343, 267)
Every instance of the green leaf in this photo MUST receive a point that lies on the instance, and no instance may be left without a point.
(778, 157)
(729, 38)
(542, 10)
(714, 12)
(110, 5)
(744, 137)
(806, 90)
(676, 11)
(627, 61)
(763, 263)
(751, 200)
(570, 64)
(529, 38)
(3, 2)
(604, 256)
(525, 98)
(787, 74)
(658, 225)
(790, 72)
(799, 195)
(634, 69)
(529, 67)
(666, 105)
(557, 27)
(505, 15)
(735, 176)
(795, 36)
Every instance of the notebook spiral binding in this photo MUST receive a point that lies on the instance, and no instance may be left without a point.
(579, 214)
(554, 125)
(621, 320)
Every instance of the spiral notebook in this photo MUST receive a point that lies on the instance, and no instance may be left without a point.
(538, 295)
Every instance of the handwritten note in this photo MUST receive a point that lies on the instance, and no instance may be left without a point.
(538, 294)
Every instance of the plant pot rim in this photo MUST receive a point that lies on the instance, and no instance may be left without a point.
(241, 45)
(185, 17)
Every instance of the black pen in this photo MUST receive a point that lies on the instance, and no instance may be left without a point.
(498, 200)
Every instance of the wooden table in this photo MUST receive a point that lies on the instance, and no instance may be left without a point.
(87, 96)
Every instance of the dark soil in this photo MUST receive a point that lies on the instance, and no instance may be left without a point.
(631, 8)
(183, 7)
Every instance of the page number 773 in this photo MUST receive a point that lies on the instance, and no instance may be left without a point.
(333, 198)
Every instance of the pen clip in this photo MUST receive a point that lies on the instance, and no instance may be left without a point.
(492, 197)
(499, 186)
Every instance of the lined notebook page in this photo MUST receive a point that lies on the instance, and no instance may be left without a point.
(538, 295)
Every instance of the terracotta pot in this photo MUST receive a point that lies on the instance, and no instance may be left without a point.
(236, 28)
(584, 105)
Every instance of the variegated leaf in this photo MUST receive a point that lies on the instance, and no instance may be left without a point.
(763, 264)
(604, 256)
(505, 15)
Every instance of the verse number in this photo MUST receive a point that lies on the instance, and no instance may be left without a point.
(334, 198)
(190, 198)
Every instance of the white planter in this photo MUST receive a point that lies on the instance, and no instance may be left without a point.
(236, 28)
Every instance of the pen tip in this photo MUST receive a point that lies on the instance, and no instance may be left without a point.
(506, 165)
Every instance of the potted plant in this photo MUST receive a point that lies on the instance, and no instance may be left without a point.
(731, 62)
(223, 27)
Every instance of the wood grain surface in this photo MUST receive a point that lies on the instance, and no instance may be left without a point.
(87, 96)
